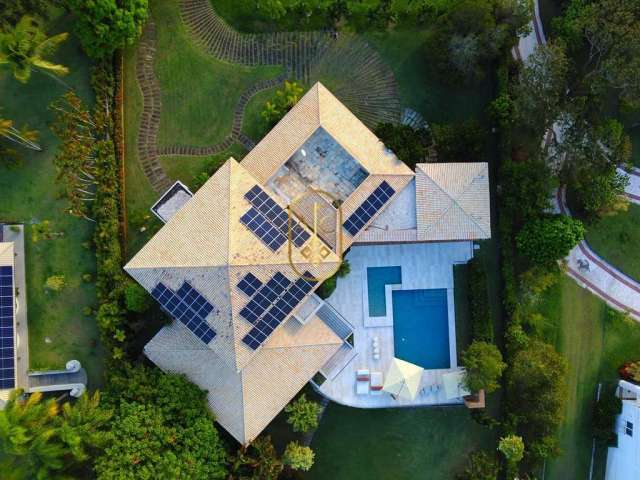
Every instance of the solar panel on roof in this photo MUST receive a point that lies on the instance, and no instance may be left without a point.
(249, 284)
(7, 352)
(263, 229)
(188, 306)
(291, 296)
(276, 215)
(368, 208)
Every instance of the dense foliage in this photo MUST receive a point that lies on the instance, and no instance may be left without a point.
(283, 101)
(536, 377)
(409, 144)
(302, 414)
(103, 26)
(480, 310)
(604, 417)
(25, 47)
(525, 189)
(298, 457)
(12, 10)
(40, 439)
(161, 428)
(483, 366)
(481, 466)
(136, 298)
(460, 142)
(545, 240)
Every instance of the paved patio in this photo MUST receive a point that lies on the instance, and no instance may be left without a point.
(424, 266)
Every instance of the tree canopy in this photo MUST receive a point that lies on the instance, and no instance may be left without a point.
(545, 240)
(409, 144)
(302, 414)
(161, 428)
(484, 366)
(40, 440)
(103, 26)
(25, 46)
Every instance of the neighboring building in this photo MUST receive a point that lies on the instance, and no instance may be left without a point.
(8, 368)
(251, 331)
(623, 461)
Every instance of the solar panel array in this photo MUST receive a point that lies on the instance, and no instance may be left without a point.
(7, 352)
(249, 284)
(273, 303)
(270, 222)
(188, 306)
(369, 208)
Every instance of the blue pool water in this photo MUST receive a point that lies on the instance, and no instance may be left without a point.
(421, 327)
(377, 278)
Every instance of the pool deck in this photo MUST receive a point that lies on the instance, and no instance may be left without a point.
(424, 266)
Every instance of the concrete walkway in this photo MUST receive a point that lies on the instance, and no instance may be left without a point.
(528, 43)
(632, 191)
(596, 275)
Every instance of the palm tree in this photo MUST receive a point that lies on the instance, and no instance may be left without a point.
(24, 137)
(28, 437)
(25, 46)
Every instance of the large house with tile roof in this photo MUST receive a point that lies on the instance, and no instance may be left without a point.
(237, 263)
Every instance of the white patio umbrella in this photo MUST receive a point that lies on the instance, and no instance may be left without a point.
(403, 379)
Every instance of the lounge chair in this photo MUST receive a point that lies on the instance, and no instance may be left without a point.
(376, 383)
(362, 381)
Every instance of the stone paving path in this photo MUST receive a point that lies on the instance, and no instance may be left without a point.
(152, 105)
(366, 84)
(602, 279)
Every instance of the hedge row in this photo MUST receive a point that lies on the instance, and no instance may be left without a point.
(481, 321)
(110, 279)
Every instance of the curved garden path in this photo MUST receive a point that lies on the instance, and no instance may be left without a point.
(359, 77)
(632, 191)
(601, 278)
(151, 107)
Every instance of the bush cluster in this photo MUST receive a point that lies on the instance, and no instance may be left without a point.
(481, 321)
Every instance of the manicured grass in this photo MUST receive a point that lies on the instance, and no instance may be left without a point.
(254, 125)
(30, 195)
(199, 93)
(438, 100)
(616, 239)
(185, 168)
(595, 341)
(399, 443)
(139, 195)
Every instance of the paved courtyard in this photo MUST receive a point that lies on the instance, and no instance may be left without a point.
(424, 266)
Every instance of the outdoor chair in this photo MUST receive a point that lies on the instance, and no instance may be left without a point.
(376, 383)
(362, 381)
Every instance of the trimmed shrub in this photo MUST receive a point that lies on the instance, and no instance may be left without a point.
(481, 321)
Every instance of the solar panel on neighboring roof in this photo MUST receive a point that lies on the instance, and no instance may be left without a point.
(249, 284)
(188, 306)
(276, 215)
(278, 311)
(369, 208)
(7, 352)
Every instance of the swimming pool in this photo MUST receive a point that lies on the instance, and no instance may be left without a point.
(377, 278)
(421, 327)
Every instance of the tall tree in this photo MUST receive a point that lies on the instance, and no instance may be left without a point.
(75, 160)
(538, 92)
(23, 136)
(25, 47)
(545, 240)
(608, 32)
(38, 441)
(103, 26)
(484, 366)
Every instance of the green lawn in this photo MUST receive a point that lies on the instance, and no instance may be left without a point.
(616, 238)
(185, 168)
(595, 341)
(418, 83)
(254, 126)
(30, 195)
(430, 443)
(199, 93)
